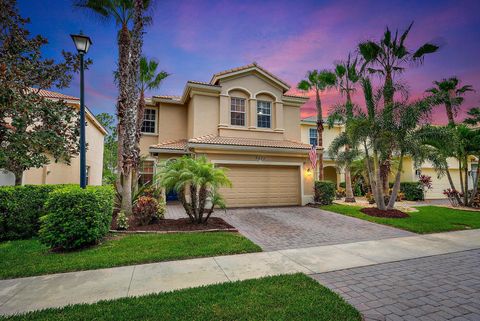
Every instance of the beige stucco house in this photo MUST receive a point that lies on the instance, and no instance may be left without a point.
(243, 120)
(61, 173)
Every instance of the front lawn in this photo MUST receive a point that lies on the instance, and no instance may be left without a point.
(30, 257)
(428, 219)
(287, 297)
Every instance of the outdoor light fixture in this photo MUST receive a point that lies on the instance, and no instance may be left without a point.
(82, 43)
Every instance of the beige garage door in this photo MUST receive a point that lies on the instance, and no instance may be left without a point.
(257, 185)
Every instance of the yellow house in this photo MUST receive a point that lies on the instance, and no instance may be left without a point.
(61, 173)
(410, 173)
(243, 120)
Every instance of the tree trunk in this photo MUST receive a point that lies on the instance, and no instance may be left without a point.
(320, 135)
(194, 202)
(452, 186)
(460, 175)
(379, 199)
(369, 169)
(465, 169)
(396, 185)
(349, 197)
(18, 178)
(475, 183)
(127, 193)
(188, 208)
(202, 200)
(385, 173)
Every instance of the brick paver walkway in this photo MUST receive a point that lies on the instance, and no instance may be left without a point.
(297, 227)
(442, 287)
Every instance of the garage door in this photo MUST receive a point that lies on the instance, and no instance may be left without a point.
(256, 185)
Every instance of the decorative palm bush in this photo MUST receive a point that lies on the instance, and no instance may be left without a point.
(196, 181)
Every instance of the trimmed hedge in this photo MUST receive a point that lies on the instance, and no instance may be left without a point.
(20, 210)
(324, 192)
(413, 191)
(77, 217)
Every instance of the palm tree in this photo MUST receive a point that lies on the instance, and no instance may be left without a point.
(347, 76)
(149, 79)
(448, 93)
(318, 81)
(473, 119)
(127, 14)
(201, 178)
(387, 58)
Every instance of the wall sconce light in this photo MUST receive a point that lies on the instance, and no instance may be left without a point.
(308, 172)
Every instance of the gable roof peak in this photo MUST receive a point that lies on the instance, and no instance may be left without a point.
(252, 66)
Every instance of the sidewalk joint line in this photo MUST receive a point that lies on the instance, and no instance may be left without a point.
(221, 269)
(291, 259)
(131, 278)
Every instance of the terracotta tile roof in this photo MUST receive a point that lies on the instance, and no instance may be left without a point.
(52, 94)
(171, 97)
(247, 67)
(202, 83)
(180, 144)
(251, 142)
(296, 96)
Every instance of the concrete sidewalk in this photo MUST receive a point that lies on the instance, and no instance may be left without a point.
(56, 290)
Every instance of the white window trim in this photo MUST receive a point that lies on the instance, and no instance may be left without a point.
(270, 103)
(156, 123)
(310, 135)
(244, 112)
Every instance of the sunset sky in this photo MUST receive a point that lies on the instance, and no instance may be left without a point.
(194, 39)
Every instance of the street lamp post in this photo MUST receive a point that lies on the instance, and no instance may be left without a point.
(82, 43)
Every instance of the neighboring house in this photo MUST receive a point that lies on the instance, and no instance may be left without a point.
(61, 173)
(242, 120)
(410, 172)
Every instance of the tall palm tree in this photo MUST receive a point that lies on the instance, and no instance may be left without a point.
(450, 94)
(149, 79)
(129, 16)
(318, 81)
(387, 58)
(347, 76)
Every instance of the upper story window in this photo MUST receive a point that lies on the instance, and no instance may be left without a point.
(237, 111)
(149, 121)
(264, 114)
(313, 136)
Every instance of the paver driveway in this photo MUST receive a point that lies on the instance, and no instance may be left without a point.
(436, 288)
(298, 227)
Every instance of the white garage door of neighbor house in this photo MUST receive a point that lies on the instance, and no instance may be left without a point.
(259, 185)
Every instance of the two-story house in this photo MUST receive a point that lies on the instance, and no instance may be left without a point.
(242, 120)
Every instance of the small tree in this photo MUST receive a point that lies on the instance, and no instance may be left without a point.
(426, 184)
(32, 128)
(200, 178)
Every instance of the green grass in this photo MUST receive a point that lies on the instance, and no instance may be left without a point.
(428, 219)
(30, 257)
(287, 297)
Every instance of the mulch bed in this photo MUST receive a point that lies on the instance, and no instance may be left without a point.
(373, 211)
(179, 225)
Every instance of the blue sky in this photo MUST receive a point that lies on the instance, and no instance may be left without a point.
(194, 39)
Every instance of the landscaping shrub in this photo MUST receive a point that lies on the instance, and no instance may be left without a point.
(122, 221)
(147, 210)
(20, 210)
(413, 191)
(76, 217)
(324, 192)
